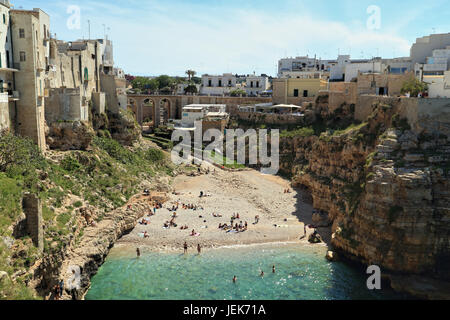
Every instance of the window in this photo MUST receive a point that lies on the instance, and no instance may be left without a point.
(257, 84)
(22, 33)
(305, 93)
(209, 83)
(295, 92)
(220, 82)
(229, 83)
(4, 18)
(251, 84)
(23, 57)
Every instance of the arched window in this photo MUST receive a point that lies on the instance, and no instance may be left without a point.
(86, 74)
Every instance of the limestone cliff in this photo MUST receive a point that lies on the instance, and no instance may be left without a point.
(386, 190)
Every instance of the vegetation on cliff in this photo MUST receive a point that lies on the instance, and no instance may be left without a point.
(104, 178)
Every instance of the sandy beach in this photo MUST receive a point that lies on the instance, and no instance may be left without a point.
(249, 193)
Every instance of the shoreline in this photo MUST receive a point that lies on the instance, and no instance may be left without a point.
(282, 216)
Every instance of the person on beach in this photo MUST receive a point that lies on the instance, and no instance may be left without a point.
(138, 252)
(199, 248)
(234, 279)
(185, 246)
(61, 287)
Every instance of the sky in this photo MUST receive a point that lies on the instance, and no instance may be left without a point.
(153, 37)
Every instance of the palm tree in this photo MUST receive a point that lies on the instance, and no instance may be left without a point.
(190, 73)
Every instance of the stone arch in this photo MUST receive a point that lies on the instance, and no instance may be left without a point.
(148, 110)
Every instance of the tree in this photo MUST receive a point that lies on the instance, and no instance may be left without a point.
(191, 89)
(237, 92)
(165, 81)
(414, 87)
(197, 80)
(191, 74)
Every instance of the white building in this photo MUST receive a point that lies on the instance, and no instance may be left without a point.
(196, 112)
(217, 85)
(255, 85)
(364, 66)
(423, 48)
(439, 85)
(398, 65)
(435, 65)
(302, 64)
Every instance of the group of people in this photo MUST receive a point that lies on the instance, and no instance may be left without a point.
(241, 227)
(185, 247)
(287, 190)
(261, 274)
(191, 207)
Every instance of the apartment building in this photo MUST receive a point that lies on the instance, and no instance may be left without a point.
(256, 85)
(6, 67)
(30, 34)
(218, 85)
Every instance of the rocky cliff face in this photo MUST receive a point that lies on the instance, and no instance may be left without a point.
(73, 135)
(85, 253)
(386, 191)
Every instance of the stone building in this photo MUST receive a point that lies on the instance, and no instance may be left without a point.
(296, 91)
(382, 84)
(218, 85)
(6, 66)
(30, 34)
(255, 85)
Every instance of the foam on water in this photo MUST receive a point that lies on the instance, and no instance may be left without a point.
(302, 273)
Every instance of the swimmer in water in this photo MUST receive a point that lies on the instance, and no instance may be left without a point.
(234, 279)
(262, 274)
(273, 269)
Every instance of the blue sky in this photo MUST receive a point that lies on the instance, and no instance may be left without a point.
(153, 37)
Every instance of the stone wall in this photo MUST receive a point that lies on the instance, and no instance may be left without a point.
(32, 208)
(270, 118)
(393, 83)
(340, 93)
(64, 104)
(99, 102)
(429, 115)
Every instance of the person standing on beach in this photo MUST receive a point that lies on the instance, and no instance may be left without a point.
(199, 248)
(185, 247)
(61, 287)
(138, 252)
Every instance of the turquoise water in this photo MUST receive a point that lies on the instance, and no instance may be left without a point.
(302, 273)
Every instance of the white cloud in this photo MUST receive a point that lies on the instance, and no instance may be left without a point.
(155, 37)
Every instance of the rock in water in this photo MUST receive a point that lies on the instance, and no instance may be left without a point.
(314, 238)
